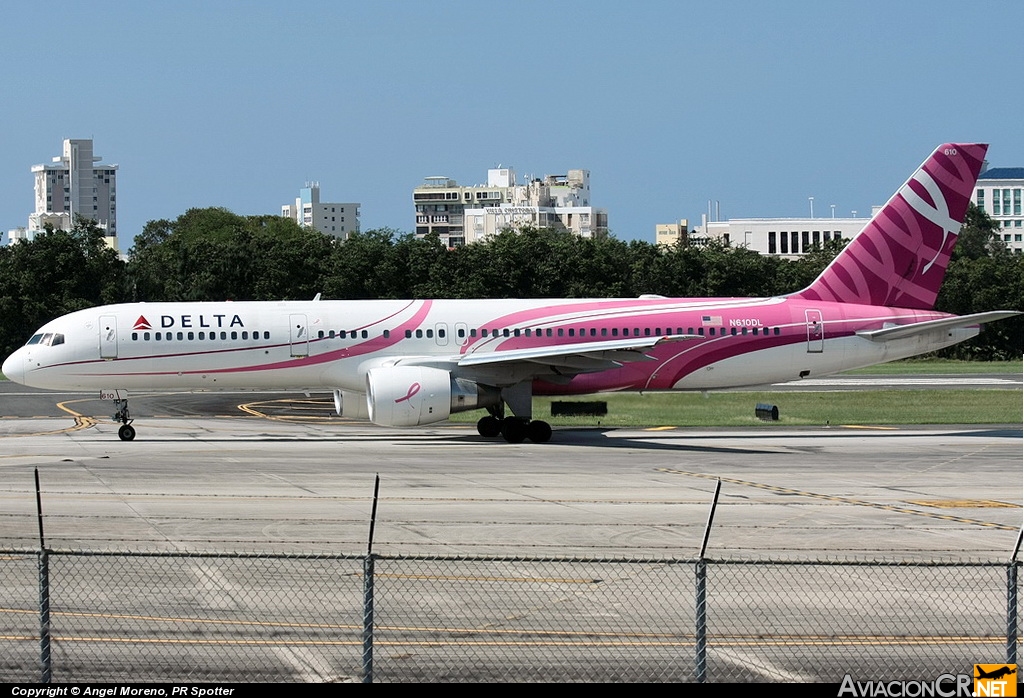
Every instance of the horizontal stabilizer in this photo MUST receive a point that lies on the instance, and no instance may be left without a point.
(902, 331)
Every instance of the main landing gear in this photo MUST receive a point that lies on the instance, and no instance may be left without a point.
(522, 426)
(514, 429)
(126, 432)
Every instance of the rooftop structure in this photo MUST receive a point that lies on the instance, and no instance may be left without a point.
(464, 214)
(338, 220)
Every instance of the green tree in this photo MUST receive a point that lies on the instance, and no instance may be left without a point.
(58, 272)
(214, 254)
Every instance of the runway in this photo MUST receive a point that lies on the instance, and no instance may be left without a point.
(229, 480)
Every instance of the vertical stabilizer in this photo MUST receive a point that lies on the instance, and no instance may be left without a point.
(900, 257)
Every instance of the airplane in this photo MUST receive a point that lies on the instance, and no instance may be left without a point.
(1004, 670)
(415, 362)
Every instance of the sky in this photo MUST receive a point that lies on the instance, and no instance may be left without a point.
(756, 106)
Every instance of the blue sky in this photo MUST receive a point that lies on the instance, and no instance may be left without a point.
(756, 105)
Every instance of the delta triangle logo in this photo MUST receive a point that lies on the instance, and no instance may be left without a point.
(142, 324)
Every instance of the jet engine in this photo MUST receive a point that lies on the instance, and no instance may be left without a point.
(406, 396)
(350, 404)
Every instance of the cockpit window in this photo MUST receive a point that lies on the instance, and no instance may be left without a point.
(49, 339)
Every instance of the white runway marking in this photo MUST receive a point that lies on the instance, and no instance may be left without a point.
(756, 664)
(310, 666)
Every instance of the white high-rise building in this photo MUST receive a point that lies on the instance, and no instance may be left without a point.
(1000, 193)
(75, 184)
(339, 220)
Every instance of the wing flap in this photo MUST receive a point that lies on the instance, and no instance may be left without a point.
(616, 351)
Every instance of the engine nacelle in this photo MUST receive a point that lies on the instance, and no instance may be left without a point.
(407, 396)
(350, 404)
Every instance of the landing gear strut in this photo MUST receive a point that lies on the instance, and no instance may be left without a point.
(515, 429)
(126, 432)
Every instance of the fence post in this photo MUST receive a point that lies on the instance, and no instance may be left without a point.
(368, 589)
(701, 648)
(368, 619)
(701, 615)
(1011, 601)
(45, 663)
(1011, 613)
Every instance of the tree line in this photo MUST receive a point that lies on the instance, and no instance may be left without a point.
(214, 254)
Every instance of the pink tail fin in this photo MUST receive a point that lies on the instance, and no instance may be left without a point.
(900, 257)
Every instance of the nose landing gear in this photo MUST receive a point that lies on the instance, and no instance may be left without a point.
(126, 432)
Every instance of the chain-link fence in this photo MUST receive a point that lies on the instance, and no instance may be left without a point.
(77, 616)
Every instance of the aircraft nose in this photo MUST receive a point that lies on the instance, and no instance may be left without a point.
(14, 367)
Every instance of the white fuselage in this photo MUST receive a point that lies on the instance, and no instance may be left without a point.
(332, 344)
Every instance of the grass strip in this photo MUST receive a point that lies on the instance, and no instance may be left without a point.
(851, 407)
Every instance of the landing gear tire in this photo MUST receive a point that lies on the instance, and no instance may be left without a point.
(514, 430)
(126, 432)
(488, 426)
(538, 431)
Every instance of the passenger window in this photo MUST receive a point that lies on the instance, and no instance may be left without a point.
(135, 338)
(234, 335)
(320, 334)
(245, 334)
(408, 334)
(505, 332)
(419, 334)
(181, 336)
(387, 333)
(202, 335)
(615, 332)
(430, 334)
(191, 336)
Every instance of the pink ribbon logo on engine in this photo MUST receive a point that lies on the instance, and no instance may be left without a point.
(413, 389)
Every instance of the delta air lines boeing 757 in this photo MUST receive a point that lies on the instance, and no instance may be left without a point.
(413, 362)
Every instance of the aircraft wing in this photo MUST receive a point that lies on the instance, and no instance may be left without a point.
(583, 356)
(903, 331)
